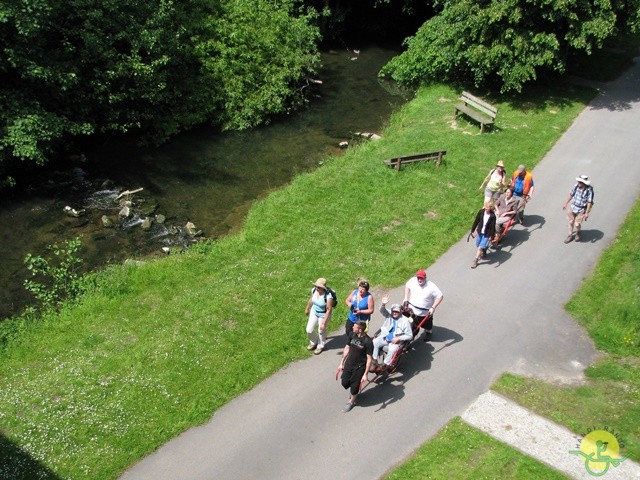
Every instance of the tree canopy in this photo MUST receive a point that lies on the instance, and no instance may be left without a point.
(81, 67)
(507, 42)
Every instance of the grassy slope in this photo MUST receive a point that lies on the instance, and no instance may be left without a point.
(155, 349)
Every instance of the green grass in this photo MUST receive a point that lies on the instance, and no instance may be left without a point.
(461, 451)
(155, 349)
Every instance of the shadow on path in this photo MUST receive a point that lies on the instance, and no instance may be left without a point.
(389, 389)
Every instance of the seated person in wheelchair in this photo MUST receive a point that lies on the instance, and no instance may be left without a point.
(506, 208)
(394, 333)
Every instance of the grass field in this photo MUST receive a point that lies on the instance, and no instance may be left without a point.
(151, 350)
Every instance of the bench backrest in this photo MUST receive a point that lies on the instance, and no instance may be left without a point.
(479, 104)
(398, 161)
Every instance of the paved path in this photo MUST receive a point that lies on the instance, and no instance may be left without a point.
(291, 425)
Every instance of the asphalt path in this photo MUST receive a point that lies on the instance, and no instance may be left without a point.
(506, 315)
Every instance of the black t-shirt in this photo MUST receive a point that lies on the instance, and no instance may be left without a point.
(359, 348)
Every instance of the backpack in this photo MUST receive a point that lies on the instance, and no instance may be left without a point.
(334, 297)
(332, 293)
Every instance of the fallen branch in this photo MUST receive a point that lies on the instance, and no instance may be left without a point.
(129, 192)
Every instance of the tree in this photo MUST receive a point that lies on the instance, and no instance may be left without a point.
(257, 53)
(507, 42)
(81, 67)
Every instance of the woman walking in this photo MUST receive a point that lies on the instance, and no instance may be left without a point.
(318, 311)
(496, 181)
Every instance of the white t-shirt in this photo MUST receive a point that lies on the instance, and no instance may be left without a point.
(422, 297)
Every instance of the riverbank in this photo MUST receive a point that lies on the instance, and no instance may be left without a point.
(202, 176)
(155, 349)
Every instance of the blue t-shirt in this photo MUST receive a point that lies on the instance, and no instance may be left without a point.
(318, 303)
(363, 304)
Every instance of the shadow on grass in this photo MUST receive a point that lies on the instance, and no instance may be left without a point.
(16, 464)
(389, 390)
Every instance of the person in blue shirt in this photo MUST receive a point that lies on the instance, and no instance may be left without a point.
(360, 304)
(318, 312)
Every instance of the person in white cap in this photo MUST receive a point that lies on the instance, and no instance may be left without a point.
(581, 198)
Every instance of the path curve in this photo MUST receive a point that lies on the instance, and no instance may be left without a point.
(291, 425)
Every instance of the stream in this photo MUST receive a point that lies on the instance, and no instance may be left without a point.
(204, 177)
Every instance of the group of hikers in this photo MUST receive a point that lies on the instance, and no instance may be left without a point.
(403, 323)
(504, 202)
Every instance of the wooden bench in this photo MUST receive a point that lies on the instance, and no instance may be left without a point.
(399, 161)
(477, 109)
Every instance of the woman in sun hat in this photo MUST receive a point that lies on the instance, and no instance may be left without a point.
(581, 198)
(496, 181)
(318, 311)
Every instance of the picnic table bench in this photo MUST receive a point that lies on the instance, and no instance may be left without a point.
(399, 161)
(476, 108)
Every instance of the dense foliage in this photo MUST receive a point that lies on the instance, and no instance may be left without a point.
(81, 67)
(508, 42)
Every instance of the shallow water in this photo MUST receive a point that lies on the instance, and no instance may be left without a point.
(202, 176)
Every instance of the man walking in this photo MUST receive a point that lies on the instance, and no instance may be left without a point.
(356, 362)
(522, 183)
(422, 297)
(581, 198)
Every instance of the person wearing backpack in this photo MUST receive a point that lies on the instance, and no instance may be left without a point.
(318, 311)
(581, 199)
(496, 181)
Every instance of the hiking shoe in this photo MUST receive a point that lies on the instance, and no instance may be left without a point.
(318, 350)
(568, 239)
(347, 408)
(577, 237)
(474, 264)
(427, 336)
(311, 346)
